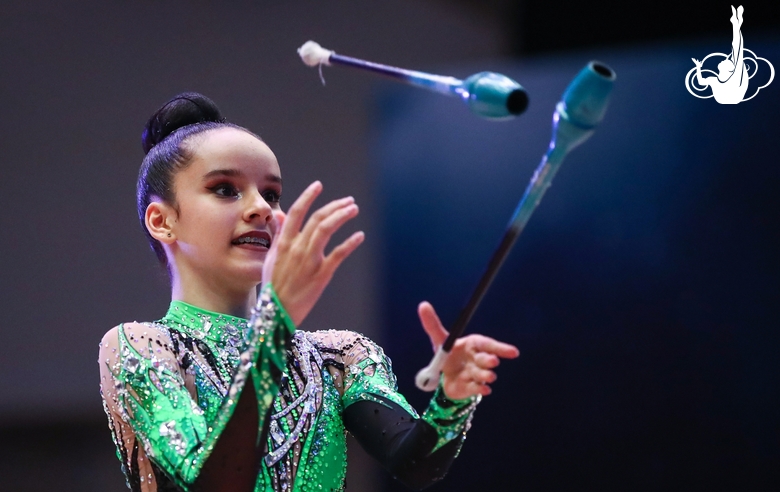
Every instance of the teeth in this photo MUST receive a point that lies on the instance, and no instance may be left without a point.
(253, 240)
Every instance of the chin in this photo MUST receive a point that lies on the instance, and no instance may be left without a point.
(242, 267)
(246, 273)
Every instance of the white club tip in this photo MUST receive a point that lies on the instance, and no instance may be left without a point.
(313, 54)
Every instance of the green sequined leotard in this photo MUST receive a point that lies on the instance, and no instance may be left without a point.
(170, 387)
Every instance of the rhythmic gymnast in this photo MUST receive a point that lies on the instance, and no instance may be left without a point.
(224, 392)
(731, 84)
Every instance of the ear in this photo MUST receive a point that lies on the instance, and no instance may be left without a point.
(159, 219)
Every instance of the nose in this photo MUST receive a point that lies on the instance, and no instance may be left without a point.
(258, 210)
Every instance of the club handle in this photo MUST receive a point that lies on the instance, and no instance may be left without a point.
(428, 377)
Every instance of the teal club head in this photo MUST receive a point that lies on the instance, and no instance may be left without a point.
(582, 107)
(585, 100)
(493, 96)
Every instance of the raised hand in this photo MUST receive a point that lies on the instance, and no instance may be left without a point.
(296, 264)
(469, 367)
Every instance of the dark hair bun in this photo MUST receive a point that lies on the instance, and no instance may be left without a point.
(185, 109)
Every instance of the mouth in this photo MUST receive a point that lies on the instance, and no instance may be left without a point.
(254, 239)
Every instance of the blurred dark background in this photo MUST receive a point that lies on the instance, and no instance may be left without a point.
(643, 294)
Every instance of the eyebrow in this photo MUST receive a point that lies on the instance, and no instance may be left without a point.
(232, 173)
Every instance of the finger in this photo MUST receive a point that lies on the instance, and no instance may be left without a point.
(486, 361)
(277, 224)
(473, 373)
(458, 391)
(325, 229)
(432, 324)
(299, 208)
(486, 344)
(323, 213)
(483, 389)
(342, 251)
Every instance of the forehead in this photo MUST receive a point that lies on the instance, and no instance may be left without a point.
(231, 148)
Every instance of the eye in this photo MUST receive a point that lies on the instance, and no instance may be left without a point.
(271, 196)
(225, 190)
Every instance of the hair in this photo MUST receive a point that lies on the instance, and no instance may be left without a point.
(166, 141)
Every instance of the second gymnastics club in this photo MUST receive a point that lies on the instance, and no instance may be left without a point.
(488, 94)
(575, 119)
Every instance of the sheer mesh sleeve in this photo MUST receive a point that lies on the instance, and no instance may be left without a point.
(367, 371)
(113, 367)
(417, 451)
(150, 400)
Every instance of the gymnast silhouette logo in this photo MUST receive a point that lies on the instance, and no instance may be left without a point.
(730, 84)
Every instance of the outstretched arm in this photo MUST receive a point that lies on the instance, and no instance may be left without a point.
(418, 451)
(406, 445)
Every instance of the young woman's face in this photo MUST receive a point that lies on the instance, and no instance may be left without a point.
(225, 198)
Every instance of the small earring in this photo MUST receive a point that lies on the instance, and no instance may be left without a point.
(169, 234)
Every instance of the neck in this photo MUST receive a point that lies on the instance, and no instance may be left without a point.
(213, 295)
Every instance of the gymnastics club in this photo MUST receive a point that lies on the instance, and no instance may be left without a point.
(575, 119)
(488, 94)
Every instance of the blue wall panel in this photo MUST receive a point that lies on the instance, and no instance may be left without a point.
(643, 294)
